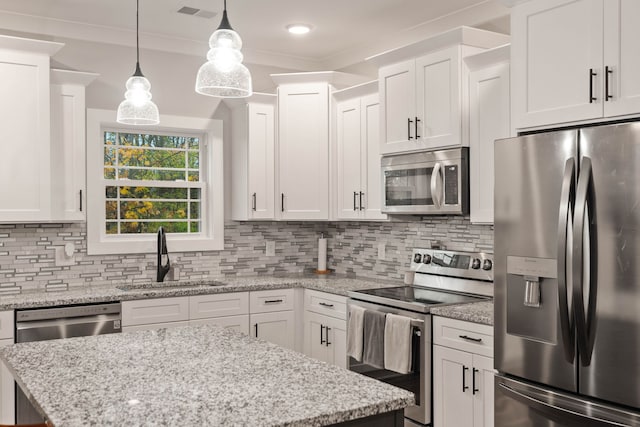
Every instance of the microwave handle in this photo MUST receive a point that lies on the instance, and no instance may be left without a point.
(437, 200)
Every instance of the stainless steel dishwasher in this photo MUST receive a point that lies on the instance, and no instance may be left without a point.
(42, 324)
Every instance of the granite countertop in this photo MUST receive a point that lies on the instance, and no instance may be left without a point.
(339, 285)
(193, 375)
(476, 312)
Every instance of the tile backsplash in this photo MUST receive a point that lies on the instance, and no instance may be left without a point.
(355, 246)
(28, 259)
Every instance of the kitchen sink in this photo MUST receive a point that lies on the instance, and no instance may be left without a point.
(168, 286)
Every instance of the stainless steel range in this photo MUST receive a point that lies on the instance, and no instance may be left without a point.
(441, 278)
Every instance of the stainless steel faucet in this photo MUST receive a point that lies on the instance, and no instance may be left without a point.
(162, 270)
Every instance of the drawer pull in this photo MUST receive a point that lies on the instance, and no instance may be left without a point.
(273, 301)
(465, 337)
(324, 304)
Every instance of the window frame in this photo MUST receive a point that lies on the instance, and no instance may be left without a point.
(211, 236)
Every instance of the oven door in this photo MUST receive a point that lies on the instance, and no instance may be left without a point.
(419, 380)
(425, 183)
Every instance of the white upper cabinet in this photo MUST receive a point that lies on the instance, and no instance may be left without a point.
(25, 132)
(303, 151)
(438, 119)
(423, 90)
(357, 150)
(68, 146)
(574, 60)
(622, 57)
(489, 119)
(253, 158)
(422, 102)
(398, 109)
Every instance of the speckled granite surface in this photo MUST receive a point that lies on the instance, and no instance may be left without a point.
(194, 375)
(92, 294)
(477, 312)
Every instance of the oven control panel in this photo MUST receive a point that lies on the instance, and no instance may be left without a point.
(468, 265)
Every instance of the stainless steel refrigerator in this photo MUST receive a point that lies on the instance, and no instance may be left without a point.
(567, 278)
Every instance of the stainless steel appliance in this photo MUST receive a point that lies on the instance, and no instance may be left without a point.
(441, 277)
(429, 182)
(61, 322)
(567, 297)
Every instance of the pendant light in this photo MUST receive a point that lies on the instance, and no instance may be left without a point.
(224, 75)
(137, 108)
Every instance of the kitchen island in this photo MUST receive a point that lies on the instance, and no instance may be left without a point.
(194, 375)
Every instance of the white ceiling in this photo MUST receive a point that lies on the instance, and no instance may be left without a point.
(345, 31)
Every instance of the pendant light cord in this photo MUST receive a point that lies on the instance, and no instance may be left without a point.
(138, 30)
(138, 72)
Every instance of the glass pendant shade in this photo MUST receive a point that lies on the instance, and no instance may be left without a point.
(137, 107)
(224, 75)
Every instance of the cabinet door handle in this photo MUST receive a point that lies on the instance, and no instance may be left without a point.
(474, 390)
(355, 196)
(361, 195)
(282, 202)
(80, 200)
(468, 338)
(253, 202)
(324, 304)
(409, 121)
(592, 74)
(322, 340)
(256, 329)
(465, 387)
(273, 301)
(327, 329)
(417, 120)
(607, 71)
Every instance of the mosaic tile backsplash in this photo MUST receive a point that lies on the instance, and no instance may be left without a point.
(28, 261)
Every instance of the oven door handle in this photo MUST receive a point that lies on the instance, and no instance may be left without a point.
(437, 200)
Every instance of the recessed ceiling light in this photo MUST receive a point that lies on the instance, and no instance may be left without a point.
(298, 28)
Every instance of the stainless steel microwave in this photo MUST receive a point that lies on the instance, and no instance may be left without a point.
(426, 182)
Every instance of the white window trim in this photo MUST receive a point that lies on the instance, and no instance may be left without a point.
(212, 236)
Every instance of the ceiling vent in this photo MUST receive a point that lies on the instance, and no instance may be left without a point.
(207, 14)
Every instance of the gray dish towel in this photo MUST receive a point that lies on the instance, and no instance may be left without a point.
(373, 341)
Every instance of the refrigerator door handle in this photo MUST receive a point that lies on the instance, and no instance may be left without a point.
(567, 200)
(435, 175)
(584, 246)
(567, 415)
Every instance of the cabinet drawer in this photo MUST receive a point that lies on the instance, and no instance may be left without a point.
(6, 324)
(272, 300)
(218, 305)
(325, 303)
(465, 336)
(160, 310)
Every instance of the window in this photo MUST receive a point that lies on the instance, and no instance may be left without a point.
(142, 178)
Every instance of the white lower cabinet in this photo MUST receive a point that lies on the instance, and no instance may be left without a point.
(155, 313)
(230, 310)
(268, 315)
(462, 374)
(325, 327)
(272, 316)
(326, 338)
(277, 327)
(7, 391)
